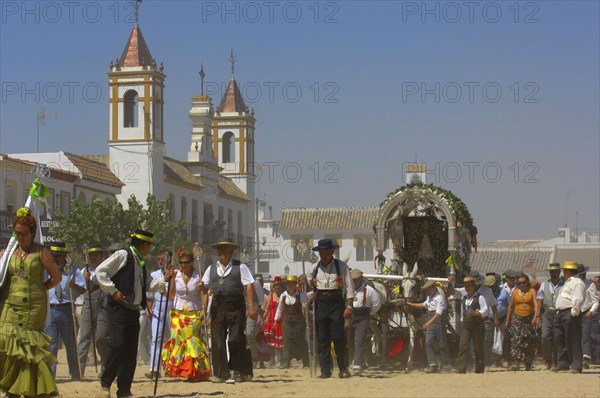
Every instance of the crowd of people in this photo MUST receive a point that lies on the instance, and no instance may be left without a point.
(222, 324)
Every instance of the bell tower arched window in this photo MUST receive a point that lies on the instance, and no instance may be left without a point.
(130, 111)
(228, 148)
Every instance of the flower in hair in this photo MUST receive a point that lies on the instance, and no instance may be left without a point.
(23, 211)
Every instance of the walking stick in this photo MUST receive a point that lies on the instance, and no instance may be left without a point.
(314, 333)
(88, 286)
(156, 352)
(68, 271)
(310, 354)
(164, 319)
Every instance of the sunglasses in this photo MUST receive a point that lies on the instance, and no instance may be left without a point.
(522, 283)
(21, 234)
(186, 262)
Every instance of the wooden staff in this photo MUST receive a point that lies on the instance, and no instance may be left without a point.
(164, 318)
(158, 342)
(68, 271)
(314, 332)
(88, 286)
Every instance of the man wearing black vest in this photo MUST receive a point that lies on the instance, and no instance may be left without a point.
(334, 290)
(228, 279)
(123, 276)
(546, 298)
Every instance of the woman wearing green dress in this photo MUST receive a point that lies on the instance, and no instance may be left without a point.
(25, 356)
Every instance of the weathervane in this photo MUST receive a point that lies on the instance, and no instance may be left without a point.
(202, 74)
(232, 59)
(137, 10)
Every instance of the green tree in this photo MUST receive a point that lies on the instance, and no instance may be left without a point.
(108, 222)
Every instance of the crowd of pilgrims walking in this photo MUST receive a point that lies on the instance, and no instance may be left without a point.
(222, 324)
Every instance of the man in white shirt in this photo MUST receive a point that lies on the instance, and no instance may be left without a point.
(366, 303)
(435, 327)
(474, 311)
(229, 279)
(123, 276)
(491, 319)
(334, 295)
(589, 314)
(546, 298)
(567, 323)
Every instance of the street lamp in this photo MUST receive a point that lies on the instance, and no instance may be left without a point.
(260, 203)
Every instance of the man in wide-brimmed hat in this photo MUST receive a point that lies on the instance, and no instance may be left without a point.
(546, 297)
(435, 328)
(366, 304)
(61, 298)
(123, 276)
(474, 310)
(490, 319)
(492, 281)
(589, 314)
(95, 254)
(228, 279)
(567, 323)
(509, 277)
(334, 295)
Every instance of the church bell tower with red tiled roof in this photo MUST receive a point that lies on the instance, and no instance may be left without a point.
(233, 136)
(135, 139)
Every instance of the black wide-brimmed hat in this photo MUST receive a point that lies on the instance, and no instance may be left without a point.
(554, 267)
(59, 248)
(582, 269)
(324, 244)
(224, 242)
(143, 235)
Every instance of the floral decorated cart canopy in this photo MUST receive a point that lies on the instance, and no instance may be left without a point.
(427, 224)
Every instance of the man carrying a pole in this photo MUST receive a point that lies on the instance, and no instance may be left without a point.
(95, 254)
(123, 276)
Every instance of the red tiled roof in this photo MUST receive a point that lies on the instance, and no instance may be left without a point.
(232, 101)
(136, 52)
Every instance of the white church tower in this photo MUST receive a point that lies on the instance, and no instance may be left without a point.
(201, 115)
(233, 137)
(136, 142)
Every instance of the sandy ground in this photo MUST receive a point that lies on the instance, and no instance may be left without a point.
(370, 383)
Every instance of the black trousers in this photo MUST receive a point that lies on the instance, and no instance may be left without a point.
(228, 323)
(548, 346)
(567, 335)
(121, 359)
(330, 327)
(472, 329)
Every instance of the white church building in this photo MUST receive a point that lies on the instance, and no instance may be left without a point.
(213, 189)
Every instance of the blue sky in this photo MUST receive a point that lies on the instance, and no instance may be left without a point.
(507, 90)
